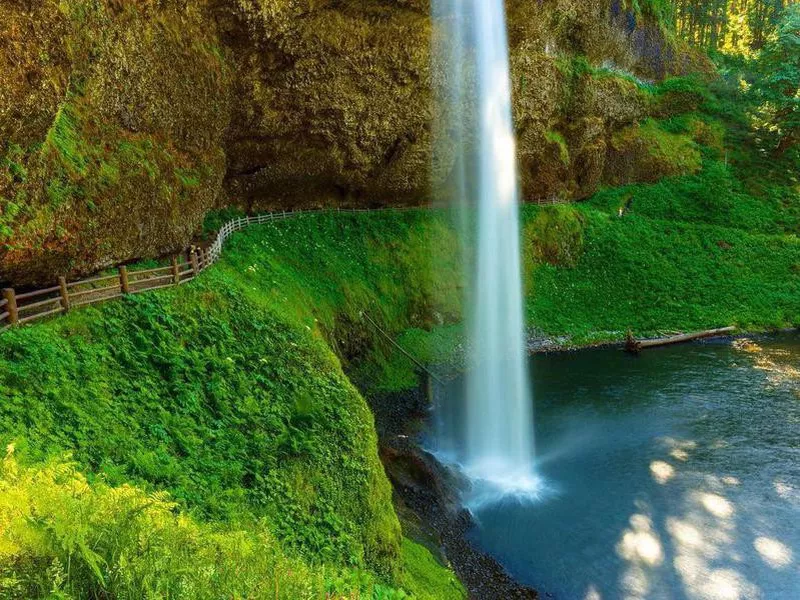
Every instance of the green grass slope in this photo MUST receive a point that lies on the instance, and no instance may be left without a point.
(225, 394)
(653, 275)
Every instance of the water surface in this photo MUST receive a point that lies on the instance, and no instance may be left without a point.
(674, 475)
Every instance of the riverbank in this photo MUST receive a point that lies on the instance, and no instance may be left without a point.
(427, 497)
(444, 350)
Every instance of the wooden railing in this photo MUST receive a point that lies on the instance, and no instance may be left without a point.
(19, 308)
(550, 201)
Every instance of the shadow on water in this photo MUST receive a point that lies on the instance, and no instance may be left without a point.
(675, 475)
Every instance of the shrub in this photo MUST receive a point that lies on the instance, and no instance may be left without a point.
(556, 236)
(64, 537)
(678, 95)
(235, 413)
(646, 152)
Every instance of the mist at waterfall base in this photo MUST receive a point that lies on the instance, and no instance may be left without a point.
(677, 474)
(495, 448)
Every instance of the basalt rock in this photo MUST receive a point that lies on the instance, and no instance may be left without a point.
(123, 123)
(115, 150)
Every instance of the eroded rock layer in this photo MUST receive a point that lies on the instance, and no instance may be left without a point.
(123, 123)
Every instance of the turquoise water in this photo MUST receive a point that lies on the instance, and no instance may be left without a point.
(673, 475)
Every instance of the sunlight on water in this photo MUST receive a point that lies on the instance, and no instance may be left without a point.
(717, 505)
(640, 543)
(776, 554)
(671, 476)
(662, 471)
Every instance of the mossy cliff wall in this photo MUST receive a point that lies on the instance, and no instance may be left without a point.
(122, 123)
(111, 131)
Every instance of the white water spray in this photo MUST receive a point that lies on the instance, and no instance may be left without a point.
(498, 450)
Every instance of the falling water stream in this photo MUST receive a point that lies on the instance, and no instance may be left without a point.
(497, 445)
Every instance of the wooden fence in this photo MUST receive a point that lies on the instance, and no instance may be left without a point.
(19, 308)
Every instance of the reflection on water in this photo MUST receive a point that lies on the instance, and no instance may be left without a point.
(678, 475)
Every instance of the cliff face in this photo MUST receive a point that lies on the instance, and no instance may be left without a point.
(112, 126)
(122, 123)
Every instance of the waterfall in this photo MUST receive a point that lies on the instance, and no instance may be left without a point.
(472, 46)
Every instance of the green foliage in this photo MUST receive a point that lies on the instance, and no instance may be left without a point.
(326, 269)
(709, 133)
(643, 85)
(576, 66)
(12, 171)
(188, 178)
(554, 137)
(713, 196)
(64, 138)
(215, 219)
(777, 89)
(678, 151)
(64, 537)
(226, 394)
(11, 164)
(332, 268)
(555, 236)
(732, 27)
(647, 152)
(679, 95)
(663, 11)
(426, 578)
(393, 372)
(651, 275)
(196, 391)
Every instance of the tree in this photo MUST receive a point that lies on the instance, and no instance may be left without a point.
(777, 89)
(730, 26)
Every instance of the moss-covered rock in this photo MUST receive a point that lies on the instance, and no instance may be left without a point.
(334, 101)
(122, 123)
(647, 153)
(33, 69)
(616, 100)
(120, 138)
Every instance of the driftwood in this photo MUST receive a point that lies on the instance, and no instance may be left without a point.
(634, 346)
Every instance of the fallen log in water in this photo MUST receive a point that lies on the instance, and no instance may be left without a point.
(635, 346)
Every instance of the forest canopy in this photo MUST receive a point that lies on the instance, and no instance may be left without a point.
(730, 26)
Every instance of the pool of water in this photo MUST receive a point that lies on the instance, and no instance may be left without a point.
(672, 475)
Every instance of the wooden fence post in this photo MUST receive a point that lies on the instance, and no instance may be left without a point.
(176, 276)
(11, 307)
(123, 280)
(195, 265)
(62, 284)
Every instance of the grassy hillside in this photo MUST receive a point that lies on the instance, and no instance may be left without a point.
(224, 394)
(654, 275)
